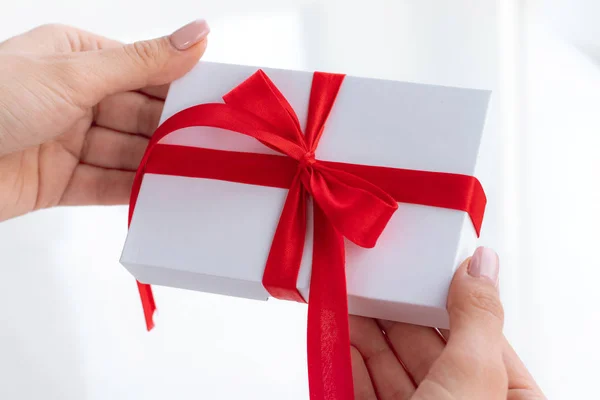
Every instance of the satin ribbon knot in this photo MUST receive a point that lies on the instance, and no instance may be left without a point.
(307, 160)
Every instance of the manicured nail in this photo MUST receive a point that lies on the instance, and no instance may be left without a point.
(192, 33)
(484, 264)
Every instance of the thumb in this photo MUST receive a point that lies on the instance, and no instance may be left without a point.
(471, 365)
(140, 64)
(474, 304)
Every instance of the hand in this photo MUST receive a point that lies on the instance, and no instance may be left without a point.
(76, 111)
(473, 361)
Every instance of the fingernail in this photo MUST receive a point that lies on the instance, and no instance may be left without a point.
(484, 264)
(187, 36)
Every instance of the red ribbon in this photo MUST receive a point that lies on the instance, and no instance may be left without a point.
(351, 201)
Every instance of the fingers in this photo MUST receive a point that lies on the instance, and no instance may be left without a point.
(98, 186)
(158, 92)
(471, 366)
(521, 384)
(130, 112)
(93, 75)
(107, 148)
(473, 300)
(389, 378)
(80, 40)
(363, 388)
(418, 347)
(525, 394)
(51, 38)
(445, 334)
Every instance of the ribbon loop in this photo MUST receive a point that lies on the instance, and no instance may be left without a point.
(259, 96)
(358, 209)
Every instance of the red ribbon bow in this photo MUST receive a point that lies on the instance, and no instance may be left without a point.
(352, 201)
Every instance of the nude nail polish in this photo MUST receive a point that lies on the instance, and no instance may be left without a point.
(484, 264)
(190, 34)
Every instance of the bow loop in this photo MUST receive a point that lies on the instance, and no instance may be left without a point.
(358, 209)
(259, 96)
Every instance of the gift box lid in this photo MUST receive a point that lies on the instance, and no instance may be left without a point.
(215, 236)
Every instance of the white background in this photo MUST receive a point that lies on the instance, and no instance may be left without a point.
(71, 325)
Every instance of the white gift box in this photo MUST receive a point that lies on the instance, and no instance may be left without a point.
(214, 236)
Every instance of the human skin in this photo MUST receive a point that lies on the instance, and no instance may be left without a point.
(76, 112)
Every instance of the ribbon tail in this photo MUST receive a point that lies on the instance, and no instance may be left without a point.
(283, 264)
(145, 290)
(329, 362)
(148, 303)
